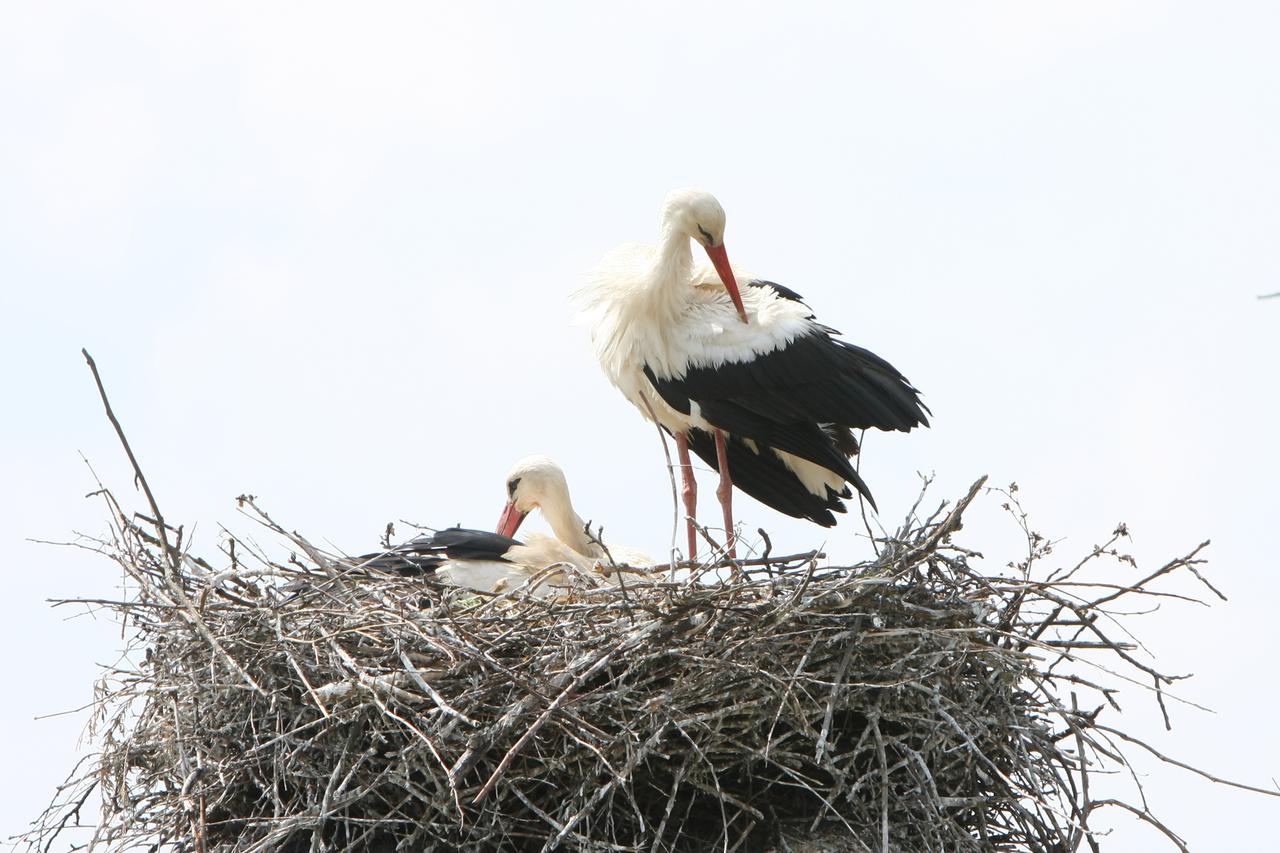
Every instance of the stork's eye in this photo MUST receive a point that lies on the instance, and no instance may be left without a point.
(511, 486)
(705, 233)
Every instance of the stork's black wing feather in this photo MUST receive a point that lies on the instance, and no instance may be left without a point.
(815, 378)
(425, 554)
(804, 439)
(784, 292)
(803, 398)
(464, 543)
(789, 398)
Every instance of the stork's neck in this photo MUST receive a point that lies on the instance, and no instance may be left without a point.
(567, 524)
(672, 267)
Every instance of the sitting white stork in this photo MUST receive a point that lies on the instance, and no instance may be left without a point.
(492, 562)
(748, 378)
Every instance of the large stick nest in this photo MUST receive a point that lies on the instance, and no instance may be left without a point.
(908, 703)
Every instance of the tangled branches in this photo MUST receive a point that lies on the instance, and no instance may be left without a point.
(910, 703)
(914, 702)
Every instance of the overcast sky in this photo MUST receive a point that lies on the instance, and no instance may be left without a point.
(324, 258)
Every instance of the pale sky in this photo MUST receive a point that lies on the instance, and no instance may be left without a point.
(324, 257)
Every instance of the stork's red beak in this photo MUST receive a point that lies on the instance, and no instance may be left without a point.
(510, 521)
(720, 258)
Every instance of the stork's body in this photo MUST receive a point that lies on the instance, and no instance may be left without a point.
(493, 562)
(746, 378)
(488, 562)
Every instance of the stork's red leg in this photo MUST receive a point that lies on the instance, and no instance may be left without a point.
(689, 492)
(725, 493)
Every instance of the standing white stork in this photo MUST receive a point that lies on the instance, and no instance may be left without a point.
(746, 378)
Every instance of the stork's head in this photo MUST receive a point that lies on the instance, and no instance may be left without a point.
(697, 214)
(533, 482)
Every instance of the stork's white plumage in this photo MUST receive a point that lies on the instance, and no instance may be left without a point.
(746, 378)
